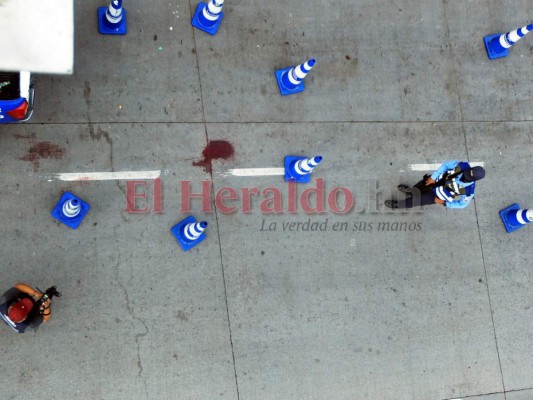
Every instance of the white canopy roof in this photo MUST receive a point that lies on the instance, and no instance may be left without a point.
(37, 36)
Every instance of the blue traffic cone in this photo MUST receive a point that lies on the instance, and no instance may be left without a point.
(498, 44)
(189, 232)
(70, 210)
(208, 17)
(298, 169)
(514, 217)
(112, 19)
(290, 80)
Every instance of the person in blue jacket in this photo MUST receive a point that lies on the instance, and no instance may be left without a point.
(452, 185)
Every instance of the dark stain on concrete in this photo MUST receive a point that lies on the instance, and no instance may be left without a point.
(30, 138)
(182, 316)
(87, 92)
(215, 149)
(99, 134)
(40, 150)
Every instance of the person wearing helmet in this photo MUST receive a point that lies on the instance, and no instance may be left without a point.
(24, 307)
(452, 185)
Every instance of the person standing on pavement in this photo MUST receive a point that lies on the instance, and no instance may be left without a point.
(452, 185)
(24, 307)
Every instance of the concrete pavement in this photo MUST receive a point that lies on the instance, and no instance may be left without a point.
(433, 304)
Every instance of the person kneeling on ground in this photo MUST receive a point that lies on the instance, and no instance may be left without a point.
(23, 307)
(452, 185)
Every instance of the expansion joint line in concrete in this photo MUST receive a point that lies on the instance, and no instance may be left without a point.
(482, 395)
(226, 296)
(455, 79)
(216, 213)
(355, 122)
(198, 67)
(489, 299)
(453, 62)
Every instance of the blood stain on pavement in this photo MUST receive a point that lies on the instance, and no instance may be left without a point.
(40, 150)
(215, 149)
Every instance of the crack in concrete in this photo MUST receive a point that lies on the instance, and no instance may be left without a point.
(138, 336)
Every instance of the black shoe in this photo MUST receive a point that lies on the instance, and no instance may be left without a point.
(403, 188)
(391, 203)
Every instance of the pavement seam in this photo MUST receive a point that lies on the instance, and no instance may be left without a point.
(463, 128)
(225, 295)
(198, 68)
(474, 396)
(453, 63)
(486, 276)
(204, 122)
(418, 122)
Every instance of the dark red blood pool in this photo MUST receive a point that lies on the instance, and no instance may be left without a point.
(215, 149)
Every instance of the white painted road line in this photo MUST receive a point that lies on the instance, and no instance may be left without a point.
(139, 175)
(254, 172)
(107, 176)
(433, 167)
(281, 171)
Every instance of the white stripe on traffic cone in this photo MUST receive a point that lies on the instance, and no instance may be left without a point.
(114, 13)
(71, 208)
(194, 230)
(306, 166)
